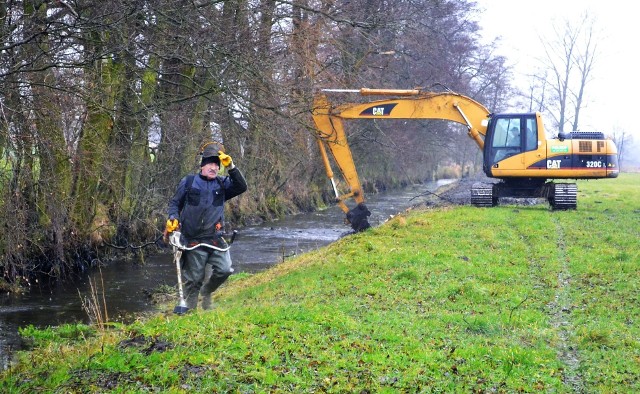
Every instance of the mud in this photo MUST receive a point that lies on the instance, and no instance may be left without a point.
(560, 314)
(459, 193)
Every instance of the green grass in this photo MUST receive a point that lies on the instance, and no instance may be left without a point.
(505, 299)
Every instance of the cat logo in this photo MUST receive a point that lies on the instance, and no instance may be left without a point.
(553, 164)
(378, 111)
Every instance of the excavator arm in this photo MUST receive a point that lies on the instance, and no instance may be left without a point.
(401, 104)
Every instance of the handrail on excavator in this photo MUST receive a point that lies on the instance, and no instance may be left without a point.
(376, 92)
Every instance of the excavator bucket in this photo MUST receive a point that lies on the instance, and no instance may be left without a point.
(357, 217)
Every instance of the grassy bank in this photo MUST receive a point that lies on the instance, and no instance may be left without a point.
(506, 299)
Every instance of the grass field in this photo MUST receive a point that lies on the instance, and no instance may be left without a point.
(505, 299)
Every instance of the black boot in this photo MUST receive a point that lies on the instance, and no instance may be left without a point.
(210, 287)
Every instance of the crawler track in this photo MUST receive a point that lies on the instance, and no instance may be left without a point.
(482, 195)
(564, 196)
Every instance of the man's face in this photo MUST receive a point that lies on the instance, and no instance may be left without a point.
(209, 170)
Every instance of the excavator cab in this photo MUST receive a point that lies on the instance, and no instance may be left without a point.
(509, 135)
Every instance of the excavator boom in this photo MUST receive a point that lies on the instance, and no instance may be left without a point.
(415, 104)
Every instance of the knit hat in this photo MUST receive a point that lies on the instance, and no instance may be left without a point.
(210, 154)
(210, 159)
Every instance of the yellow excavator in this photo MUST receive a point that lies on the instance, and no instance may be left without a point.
(515, 147)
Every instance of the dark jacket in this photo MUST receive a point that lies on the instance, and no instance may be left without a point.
(199, 206)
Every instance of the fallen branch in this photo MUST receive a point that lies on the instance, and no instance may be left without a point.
(128, 246)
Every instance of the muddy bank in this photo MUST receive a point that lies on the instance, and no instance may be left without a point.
(456, 193)
(459, 193)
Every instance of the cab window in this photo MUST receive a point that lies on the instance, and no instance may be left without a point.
(531, 134)
(507, 133)
(506, 139)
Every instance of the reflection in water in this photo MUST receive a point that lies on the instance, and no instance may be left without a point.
(126, 284)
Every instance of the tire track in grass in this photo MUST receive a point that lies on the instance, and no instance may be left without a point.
(560, 309)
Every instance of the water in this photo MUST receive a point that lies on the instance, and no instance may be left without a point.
(127, 284)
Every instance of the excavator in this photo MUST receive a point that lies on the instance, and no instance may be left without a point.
(515, 147)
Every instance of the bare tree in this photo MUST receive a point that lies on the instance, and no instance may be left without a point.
(570, 58)
(623, 141)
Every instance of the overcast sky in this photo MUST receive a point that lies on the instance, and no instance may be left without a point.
(614, 93)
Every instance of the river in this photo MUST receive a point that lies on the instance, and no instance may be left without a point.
(126, 284)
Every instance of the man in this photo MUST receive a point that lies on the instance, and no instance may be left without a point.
(197, 208)
(514, 137)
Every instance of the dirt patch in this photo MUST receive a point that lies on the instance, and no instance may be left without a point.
(459, 193)
(560, 313)
(146, 344)
(456, 193)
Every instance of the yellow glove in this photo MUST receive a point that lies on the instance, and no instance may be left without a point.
(225, 159)
(172, 225)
